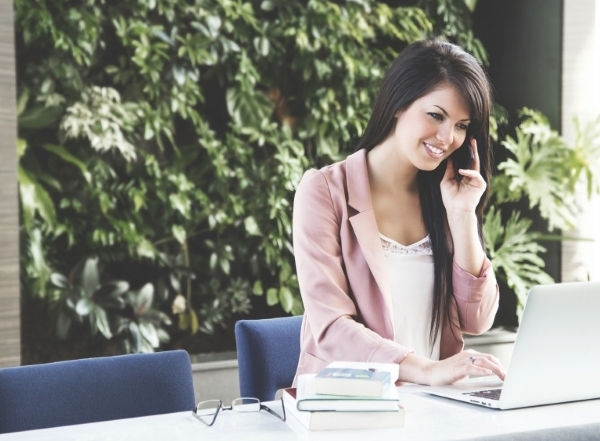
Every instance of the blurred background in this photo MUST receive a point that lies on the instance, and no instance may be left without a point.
(150, 151)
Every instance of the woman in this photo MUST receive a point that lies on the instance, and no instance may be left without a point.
(388, 243)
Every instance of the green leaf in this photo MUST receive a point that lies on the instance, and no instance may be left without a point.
(225, 266)
(586, 153)
(179, 74)
(68, 157)
(257, 288)
(143, 299)
(272, 298)
(40, 117)
(34, 199)
(38, 267)
(181, 203)
(63, 324)
(84, 306)
(286, 299)
(146, 249)
(194, 326)
(163, 336)
(59, 280)
(267, 5)
(22, 101)
(21, 147)
(90, 277)
(179, 233)
(184, 322)
(251, 226)
(149, 332)
(102, 323)
(214, 24)
(136, 337)
(213, 260)
(248, 108)
(164, 37)
(470, 4)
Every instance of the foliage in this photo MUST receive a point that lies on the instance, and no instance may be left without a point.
(453, 19)
(515, 252)
(547, 171)
(166, 138)
(542, 168)
(110, 308)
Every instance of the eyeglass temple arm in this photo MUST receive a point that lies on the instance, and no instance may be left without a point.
(272, 412)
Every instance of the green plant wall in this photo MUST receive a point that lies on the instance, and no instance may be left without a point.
(163, 140)
(161, 143)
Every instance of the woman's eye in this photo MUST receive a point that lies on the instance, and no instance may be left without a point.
(462, 126)
(436, 116)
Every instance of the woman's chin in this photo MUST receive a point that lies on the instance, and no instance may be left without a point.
(429, 165)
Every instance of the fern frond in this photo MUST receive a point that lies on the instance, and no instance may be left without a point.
(542, 169)
(514, 252)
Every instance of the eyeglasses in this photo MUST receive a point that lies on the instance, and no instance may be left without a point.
(207, 411)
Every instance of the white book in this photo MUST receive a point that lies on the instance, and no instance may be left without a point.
(320, 421)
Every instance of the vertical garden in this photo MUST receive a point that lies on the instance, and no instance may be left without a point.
(160, 143)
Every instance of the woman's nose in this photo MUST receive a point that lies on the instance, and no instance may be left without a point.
(445, 135)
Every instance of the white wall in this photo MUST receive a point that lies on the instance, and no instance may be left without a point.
(581, 97)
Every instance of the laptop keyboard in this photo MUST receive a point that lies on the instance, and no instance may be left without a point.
(490, 394)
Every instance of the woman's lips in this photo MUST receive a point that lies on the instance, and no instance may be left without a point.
(433, 152)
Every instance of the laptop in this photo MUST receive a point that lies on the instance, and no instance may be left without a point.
(556, 356)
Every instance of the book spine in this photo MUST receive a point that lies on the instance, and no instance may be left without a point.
(290, 407)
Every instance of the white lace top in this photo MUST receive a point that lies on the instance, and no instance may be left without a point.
(411, 276)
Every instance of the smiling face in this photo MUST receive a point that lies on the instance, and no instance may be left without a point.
(432, 127)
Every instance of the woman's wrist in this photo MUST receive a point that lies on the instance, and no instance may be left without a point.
(461, 219)
(415, 369)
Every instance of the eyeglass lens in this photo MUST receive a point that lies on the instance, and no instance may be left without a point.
(207, 411)
(245, 405)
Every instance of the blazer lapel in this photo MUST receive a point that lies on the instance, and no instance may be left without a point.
(365, 227)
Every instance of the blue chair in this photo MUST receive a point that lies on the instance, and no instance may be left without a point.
(268, 351)
(95, 389)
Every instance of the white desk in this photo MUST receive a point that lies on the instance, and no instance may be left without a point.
(427, 418)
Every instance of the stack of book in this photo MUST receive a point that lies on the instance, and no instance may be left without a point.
(347, 395)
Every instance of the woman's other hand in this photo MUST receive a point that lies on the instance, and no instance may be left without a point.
(416, 369)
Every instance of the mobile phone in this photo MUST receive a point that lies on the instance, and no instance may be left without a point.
(462, 158)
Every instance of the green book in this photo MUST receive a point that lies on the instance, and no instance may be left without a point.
(310, 401)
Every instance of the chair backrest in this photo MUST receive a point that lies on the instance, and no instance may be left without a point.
(95, 389)
(268, 351)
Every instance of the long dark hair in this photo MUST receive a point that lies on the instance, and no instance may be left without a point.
(418, 70)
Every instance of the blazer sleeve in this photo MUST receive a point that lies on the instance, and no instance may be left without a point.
(330, 311)
(476, 298)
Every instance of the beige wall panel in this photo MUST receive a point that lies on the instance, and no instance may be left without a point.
(10, 329)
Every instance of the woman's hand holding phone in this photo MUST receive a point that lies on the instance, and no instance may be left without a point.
(461, 200)
(463, 158)
(463, 195)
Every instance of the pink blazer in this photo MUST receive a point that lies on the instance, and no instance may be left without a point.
(344, 280)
